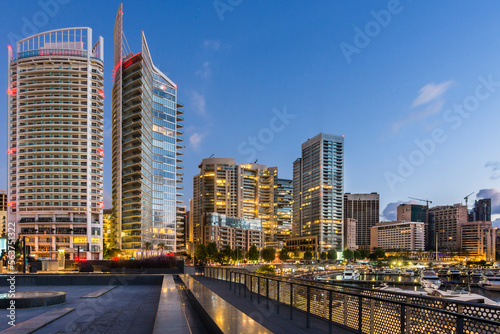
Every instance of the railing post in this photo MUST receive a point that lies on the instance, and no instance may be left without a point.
(330, 324)
(267, 293)
(278, 296)
(258, 289)
(245, 289)
(360, 314)
(291, 301)
(229, 279)
(346, 299)
(239, 284)
(308, 325)
(402, 318)
(408, 316)
(372, 313)
(251, 287)
(235, 282)
(460, 319)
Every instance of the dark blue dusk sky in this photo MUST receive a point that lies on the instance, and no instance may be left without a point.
(414, 86)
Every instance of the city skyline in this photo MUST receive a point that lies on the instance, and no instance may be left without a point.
(384, 105)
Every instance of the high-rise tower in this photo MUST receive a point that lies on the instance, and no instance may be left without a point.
(318, 186)
(364, 208)
(55, 143)
(147, 140)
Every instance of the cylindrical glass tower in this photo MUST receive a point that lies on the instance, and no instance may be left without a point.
(56, 114)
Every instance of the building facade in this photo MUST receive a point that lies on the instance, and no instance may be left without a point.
(146, 162)
(481, 210)
(418, 213)
(283, 208)
(237, 233)
(55, 142)
(110, 236)
(350, 234)
(398, 235)
(3, 212)
(446, 220)
(244, 191)
(478, 239)
(318, 186)
(181, 230)
(365, 209)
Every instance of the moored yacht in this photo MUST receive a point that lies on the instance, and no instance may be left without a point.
(350, 273)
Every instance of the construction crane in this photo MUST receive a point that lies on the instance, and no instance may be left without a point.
(466, 198)
(422, 200)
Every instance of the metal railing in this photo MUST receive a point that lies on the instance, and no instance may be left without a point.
(363, 310)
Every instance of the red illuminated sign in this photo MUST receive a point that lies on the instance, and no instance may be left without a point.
(12, 204)
(12, 151)
(100, 151)
(12, 91)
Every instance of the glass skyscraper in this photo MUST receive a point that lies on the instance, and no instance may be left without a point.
(147, 133)
(318, 187)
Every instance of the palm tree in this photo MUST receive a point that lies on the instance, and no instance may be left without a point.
(161, 246)
(148, 246)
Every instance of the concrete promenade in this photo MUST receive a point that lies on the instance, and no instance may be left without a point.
(276, 323)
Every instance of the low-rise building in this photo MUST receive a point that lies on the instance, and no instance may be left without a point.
(303, 244)
(478, 239)
(238, 233)
(398, 235)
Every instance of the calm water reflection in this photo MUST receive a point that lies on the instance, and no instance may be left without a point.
(448, 282)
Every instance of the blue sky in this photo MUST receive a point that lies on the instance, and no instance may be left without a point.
(386, 74)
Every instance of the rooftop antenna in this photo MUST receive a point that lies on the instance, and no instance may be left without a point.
(211, 155)
(256, 161)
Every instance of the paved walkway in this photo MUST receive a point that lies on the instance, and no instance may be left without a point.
(277, 323)
(226, 317)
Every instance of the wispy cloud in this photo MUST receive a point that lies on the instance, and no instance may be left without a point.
(198, 102)
(212, 44)
(205, 71)
(390, 211)
(432, 109)
(430, 92)
(495, 168)
(195, 140)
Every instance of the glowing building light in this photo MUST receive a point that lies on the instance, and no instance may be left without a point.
(12, 204)
(12, 91)
(100, 151)
(100, 204)
(12, 151)
(101, 92)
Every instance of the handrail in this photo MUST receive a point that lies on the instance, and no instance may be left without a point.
(401, 316)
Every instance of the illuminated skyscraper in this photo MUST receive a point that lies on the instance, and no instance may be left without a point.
(55, 143)
(318, 186)
(147, 133)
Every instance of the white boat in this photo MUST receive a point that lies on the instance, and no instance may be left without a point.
(429, 279)
(453, 272)
(462, 296)
(350, 273)
(490, 283)
(409, 272)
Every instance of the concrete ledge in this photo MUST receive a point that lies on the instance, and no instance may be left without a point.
(222, 316)
(81, 279)
(34, 324)
(99, 293)
(170, 317)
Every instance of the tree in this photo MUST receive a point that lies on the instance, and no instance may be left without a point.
(226, 252)
(296, 254)
(161, 246)
(238, 254)
(148, 246)
(200, 252)
(283, 254)
(323, 256)
(253, 253)
(379, 253)
(332, 255)
(308, 255)
(364, 253)
(356, 254)
(268, 254)
(347, 254)
(212, 250)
